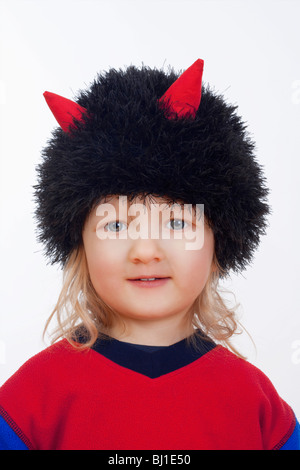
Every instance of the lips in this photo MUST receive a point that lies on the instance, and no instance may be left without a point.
(148, 278)
(149, 281)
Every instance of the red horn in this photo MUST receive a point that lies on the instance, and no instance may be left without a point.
(184, 95)
(64, 110)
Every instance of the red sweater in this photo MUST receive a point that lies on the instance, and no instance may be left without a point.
(63, 398)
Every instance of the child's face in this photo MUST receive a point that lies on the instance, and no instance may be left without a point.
(121, 247)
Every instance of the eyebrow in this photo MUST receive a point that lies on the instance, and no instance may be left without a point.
(160, 210)
(167, 201)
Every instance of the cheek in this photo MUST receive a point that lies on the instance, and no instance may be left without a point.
(195, 272)
(104, 263)
(194, 266)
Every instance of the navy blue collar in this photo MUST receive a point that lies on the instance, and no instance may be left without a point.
(153, 361)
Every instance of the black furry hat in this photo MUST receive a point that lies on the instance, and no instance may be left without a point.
(124, 136)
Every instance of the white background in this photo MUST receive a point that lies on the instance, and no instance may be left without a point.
(251, 54)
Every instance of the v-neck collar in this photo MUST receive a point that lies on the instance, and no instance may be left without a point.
(153, 363)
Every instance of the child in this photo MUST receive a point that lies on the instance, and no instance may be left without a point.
(147, 195)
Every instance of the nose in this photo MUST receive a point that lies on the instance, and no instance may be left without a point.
(145, 251)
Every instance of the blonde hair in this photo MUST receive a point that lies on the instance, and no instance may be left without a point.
(79, 305)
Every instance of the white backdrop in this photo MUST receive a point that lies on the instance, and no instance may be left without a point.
(251, 54)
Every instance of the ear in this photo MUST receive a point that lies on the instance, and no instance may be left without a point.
(64, 110)
(184, 95)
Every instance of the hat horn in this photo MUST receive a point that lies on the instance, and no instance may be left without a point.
(184, 95)
(64, 110)
(181, 99)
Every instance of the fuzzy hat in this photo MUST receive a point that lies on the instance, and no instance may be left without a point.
(144, 131)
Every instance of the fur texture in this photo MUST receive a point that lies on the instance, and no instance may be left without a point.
(126, 145)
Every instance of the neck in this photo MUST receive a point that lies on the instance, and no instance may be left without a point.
(153, 332)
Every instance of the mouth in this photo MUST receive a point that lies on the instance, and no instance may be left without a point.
(149, 281)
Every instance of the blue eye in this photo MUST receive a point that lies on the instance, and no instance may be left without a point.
(177, 224)
(114, 226)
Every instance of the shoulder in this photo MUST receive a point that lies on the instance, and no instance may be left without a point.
(21, 395)
(239, 375)
(46, 368)
(252, 394)
(53, 354)
(38, 392)
(233, 367)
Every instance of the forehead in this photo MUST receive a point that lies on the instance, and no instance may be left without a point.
(156, 206)
(147, 200)
(136, 199)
